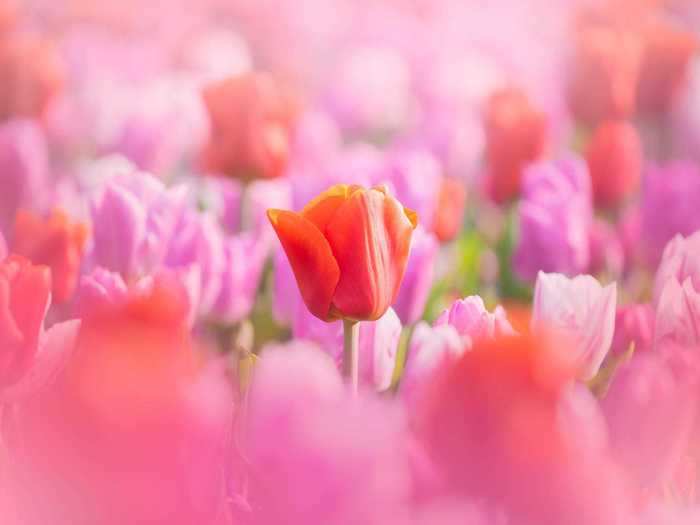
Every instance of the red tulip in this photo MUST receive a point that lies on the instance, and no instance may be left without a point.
(450, 209)
(31, 74)
(348, 248)
(515, 136)
(251, 118)
(614, 158)
(56, 242)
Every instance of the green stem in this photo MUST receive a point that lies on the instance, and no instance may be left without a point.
(351, 343)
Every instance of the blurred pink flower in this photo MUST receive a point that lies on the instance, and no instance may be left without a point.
(680, 261)
(370, 91)
(516, 135)
(32, 74)
(583, 310)
(344, 460)
(670, 195)
(31, 356)
(678, 313)
(252, 118)
(138, 423)
(418, 279)
(650, 408)
(163, 127)
(505, 426)
(607, 252)
(24, 169)
(554, 219)
(634, 324)
(471, 319)
(430, 349)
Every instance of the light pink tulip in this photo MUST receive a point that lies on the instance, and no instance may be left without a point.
(680, 260)
(582, 309)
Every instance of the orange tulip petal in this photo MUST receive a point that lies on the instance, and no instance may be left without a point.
(311, 258)
(370, 236)
(322, 208)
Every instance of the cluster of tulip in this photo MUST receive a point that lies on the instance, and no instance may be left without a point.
(398, 262)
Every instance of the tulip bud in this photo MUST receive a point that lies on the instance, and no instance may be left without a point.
(252, 118)
(515, 136)
(614, 158)
(348, 249)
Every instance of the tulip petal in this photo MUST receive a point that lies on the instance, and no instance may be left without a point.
(370, 237)
(315, 269)
(323, 208)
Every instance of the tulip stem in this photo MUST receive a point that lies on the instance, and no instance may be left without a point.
(351, 343)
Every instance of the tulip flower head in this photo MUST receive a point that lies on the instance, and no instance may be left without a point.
(348, 249)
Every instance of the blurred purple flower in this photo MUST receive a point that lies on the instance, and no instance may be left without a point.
(24, 169)
(554, 219)
(244, 258)
(199, 243)
(680, 261)
(134, 218)
(580, 308)
(415, 287)
(670, 196)
(415, 176)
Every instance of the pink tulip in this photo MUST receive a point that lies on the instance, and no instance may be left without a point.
(650, 408)
(582, 309)
(471, 319)
(678, 314)
(680, 261)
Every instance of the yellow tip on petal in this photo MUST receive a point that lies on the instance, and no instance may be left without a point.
(273, 215)
(412, 216)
